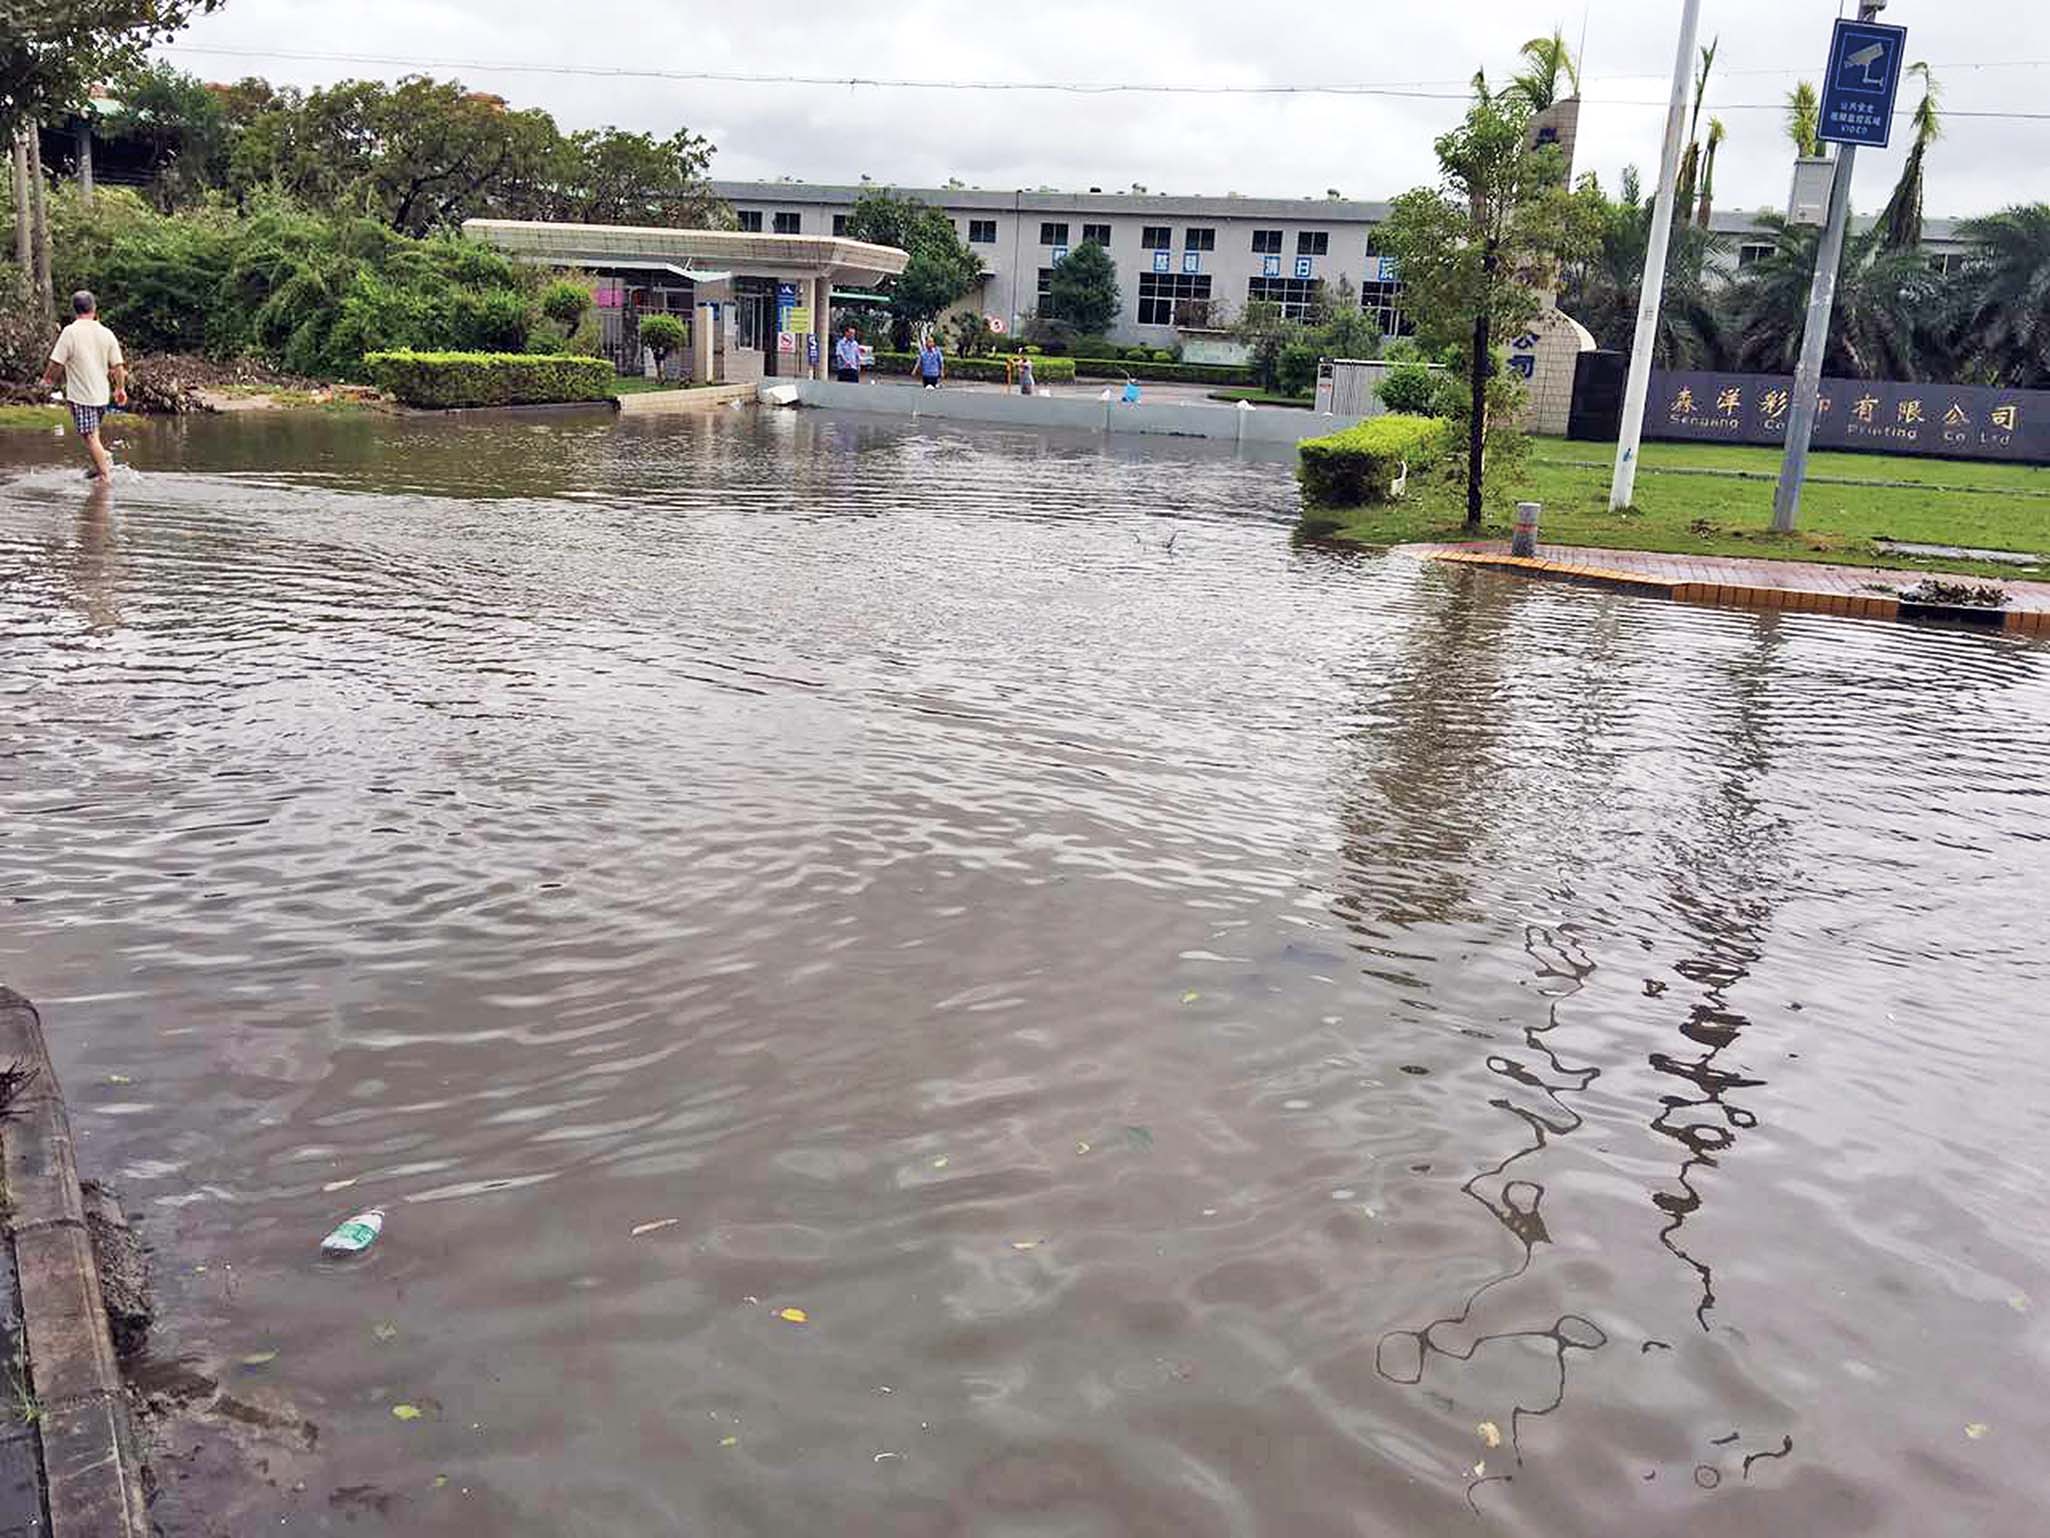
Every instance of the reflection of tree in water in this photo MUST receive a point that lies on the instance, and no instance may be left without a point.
(1536, 1100)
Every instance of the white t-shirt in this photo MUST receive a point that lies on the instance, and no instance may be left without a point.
(87, 350)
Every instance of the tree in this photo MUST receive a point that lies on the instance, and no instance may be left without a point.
(1716, 134)
(662, 335)
(53, 51)
(2003, 316)
(1887, 320)
(564, 303)
(1601, 289)
(610, 176)
(941, 270)
(445, 154)
(1549, 61)
(1804, 120)
(1690, 162)
(1901, 221)
(1084, 290)
(1475, 250)
(180, 127)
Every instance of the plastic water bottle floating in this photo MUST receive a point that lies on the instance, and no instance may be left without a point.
(356, 1235)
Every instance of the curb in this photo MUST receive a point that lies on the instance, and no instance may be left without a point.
(1742, 596)
(92, 1469)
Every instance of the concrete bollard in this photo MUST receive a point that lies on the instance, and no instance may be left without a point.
(1524, 541)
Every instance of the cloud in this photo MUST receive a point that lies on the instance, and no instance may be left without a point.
(1366, 146)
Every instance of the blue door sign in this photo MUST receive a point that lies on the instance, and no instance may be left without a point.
(1163, 262)
(1864, 78)
(1192, 261)
(1270, 266)
(1060, 254)
(1304, 266)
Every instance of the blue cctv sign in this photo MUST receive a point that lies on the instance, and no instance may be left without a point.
(1864, 78)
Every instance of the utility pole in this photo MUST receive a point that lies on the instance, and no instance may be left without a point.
(1829, 260)
(1623, 490)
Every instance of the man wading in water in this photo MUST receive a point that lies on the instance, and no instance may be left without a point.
(88, 359)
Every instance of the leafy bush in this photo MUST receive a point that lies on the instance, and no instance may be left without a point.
(25, 331)
(1410, 389)
(1295, 366)
(663, 335)
(449, 379)
(1166, 373)
(564, 303)
(1046, 370)
(1361, 464)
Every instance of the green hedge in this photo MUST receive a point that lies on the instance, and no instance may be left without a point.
(1166, 373)
(1360, 464)
(447, 379)
(1045, 370)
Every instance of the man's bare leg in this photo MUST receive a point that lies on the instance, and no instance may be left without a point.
(103, 462)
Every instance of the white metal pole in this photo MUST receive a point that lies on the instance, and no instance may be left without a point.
(1829, 258)
(1624, 488)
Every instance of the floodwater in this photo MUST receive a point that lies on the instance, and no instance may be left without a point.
(1211, 1036)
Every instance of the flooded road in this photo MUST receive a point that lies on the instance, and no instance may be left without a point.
(921, 983)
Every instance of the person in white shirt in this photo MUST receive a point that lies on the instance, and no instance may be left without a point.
(88, 359)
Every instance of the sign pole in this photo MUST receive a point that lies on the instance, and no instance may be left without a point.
(1786, 502)
(1623, 490)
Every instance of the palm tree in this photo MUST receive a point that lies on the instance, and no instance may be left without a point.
(1550, 61)
(1602, 292)
(2003, 314)
(1804, 120)
(1716, 134)
(1901, 223)
(1888, 318)
(1690, 163)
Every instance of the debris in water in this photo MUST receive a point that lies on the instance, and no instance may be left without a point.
(2019, 1303)
(119, 1078)
(1191, 996)
(793, 1316)
(1026, 1244)
(440, 1481)
(886, 1457)
(384, 1331)
(356, 1235)
(1490, 1433)
(649, 1228)
(729, 1441)
(940, 1163)
(260, 1358)
(1081, 1147)
(406, 1412)
(1977, 1429)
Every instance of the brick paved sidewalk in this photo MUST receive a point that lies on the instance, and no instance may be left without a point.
(1860, 591)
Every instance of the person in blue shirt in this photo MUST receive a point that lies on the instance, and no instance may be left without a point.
(931, 363)
(847, 358)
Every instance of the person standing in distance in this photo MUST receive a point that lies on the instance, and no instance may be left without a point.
(88, 359)
(847, 358)
(931, 362)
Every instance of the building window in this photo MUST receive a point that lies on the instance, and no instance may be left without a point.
(982, 232)
(1947, 264)
(1174, 299)
(1313, 243)
(1156, 237)
(1266, 242)
(750, 221)
(1297, 297)
(790, 224)
(1053, 234)
(1045, 289)
(1196, 238)
(1752, 252)
(839, 225)
(1096, 235)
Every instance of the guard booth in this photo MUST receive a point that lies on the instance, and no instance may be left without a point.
(756, 306)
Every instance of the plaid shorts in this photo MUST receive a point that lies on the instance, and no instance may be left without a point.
(86, 418)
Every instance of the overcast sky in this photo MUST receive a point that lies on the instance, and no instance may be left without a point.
(1371, 147)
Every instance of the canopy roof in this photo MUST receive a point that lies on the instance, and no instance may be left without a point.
(626, 245)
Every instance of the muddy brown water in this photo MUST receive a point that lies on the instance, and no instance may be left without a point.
(1212, 1035)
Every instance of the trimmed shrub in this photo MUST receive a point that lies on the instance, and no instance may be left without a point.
(1360, 465)
(1095, 347)
(564, 303)
(1191, 373)
(662, 335)
(1409, 389)
(1047, 370)
(448, 379)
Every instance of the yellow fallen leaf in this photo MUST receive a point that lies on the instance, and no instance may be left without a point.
(119, 1078)
(260, 1358)
(649, 1228)
(1191, 996)
(940, 1163)
(2019, 1303)
(1081, 1148)
(729, 1441)
(1480, 1470)
(1024, 1244)
(406, 1412)
(384, 1331)
(1977, 1429)
(1490, 1433)
(793, 1315)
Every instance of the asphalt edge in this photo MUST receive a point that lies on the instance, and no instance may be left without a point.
(92, 1464)
(1741, 596)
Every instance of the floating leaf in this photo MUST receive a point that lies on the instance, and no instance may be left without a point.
(940, 1163)
(260, 1358)
(793, 1316)
(385, 1331)
(1082, 1147)
(119, 1078)
(1480, 1470)
(649, 1228)
(1025, 1244)
(729, 1441)
(1490, 1433)
(1977, 1429)
(887, 1457)
(1191, 996)
(406, 1412)
(440, 1481)
(2019, 1303)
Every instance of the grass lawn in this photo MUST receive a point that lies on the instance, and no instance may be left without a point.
(636, 384)
(43, 417)
(1262, 397)
(1716, 499)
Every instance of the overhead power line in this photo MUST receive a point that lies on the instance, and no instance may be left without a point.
(1420, 90)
